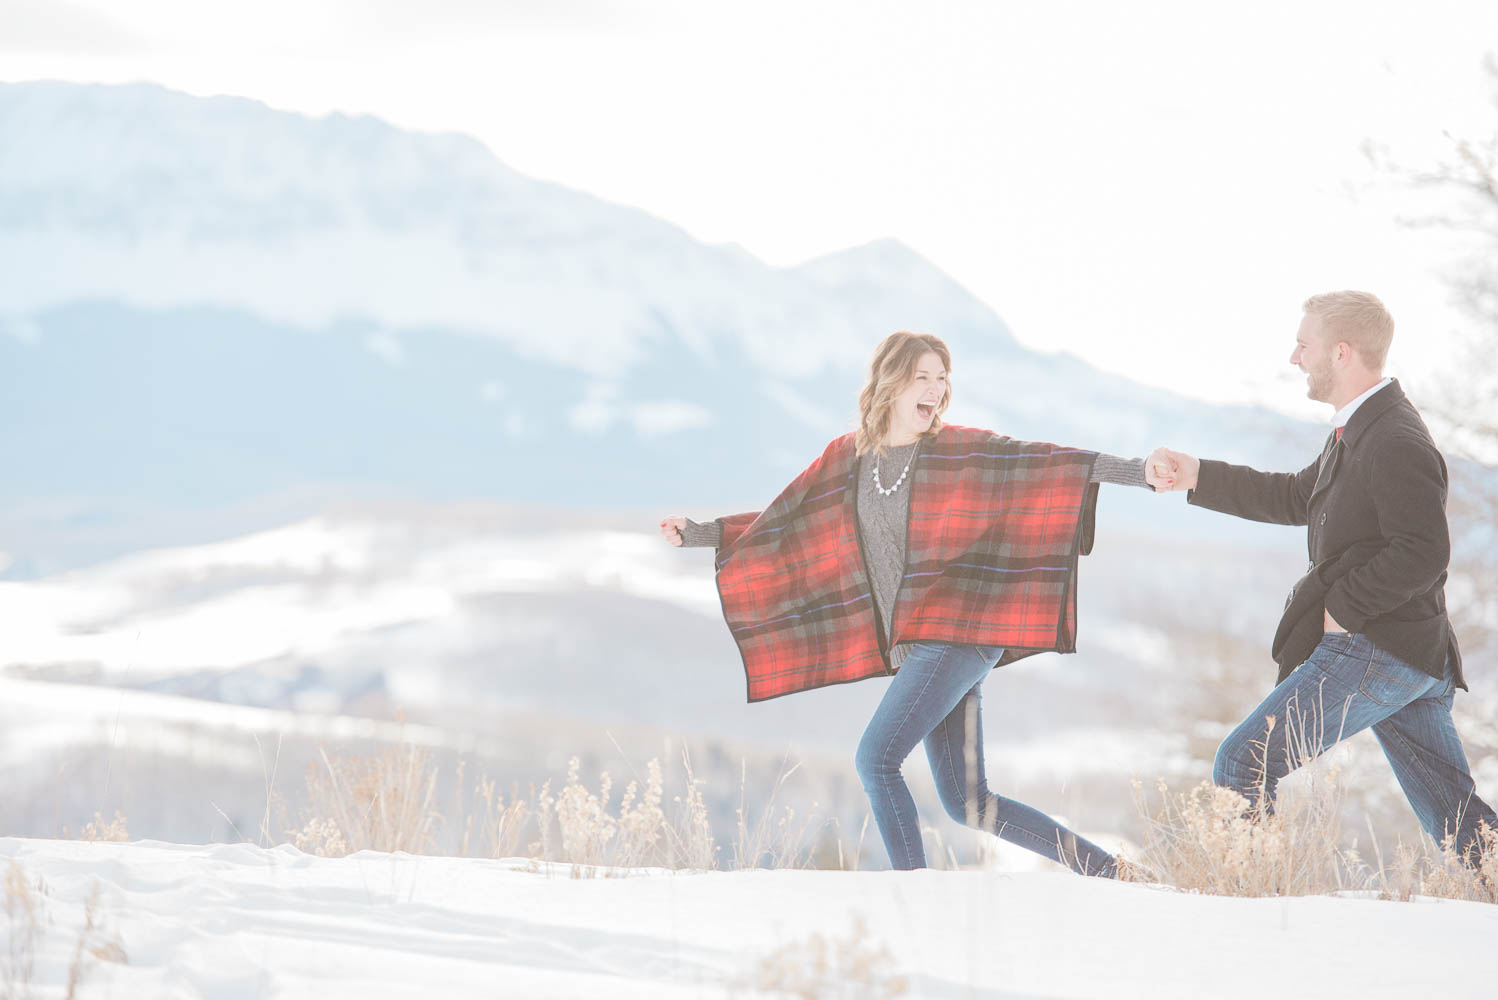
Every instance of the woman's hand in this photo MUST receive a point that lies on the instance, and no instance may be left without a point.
(1168, 470)
(672, 527)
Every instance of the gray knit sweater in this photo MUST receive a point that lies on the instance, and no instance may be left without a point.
(882, 520)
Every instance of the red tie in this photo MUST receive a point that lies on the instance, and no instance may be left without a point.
(1339, 431)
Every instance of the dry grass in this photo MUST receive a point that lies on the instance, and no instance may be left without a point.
(493, 827)
(382, 803)
(818, 967)
(1207, 839)
(693, 844)
(95, 944)
(24, 917)
(1441, 874)
(100, 829)
(1449, 878)
(576, 827)
(27, 917)
(321, 836)
(771, 841)
(1212, 840)
(389, 802)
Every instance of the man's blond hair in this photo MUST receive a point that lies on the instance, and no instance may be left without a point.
(1357, 318)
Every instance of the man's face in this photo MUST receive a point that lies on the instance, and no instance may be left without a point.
(1313, 355)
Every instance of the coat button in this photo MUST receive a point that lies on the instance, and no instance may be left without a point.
(1323, 517)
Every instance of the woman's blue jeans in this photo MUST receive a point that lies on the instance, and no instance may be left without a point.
(935, 697)
(1348, 685)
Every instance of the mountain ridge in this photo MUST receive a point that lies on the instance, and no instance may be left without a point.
(502, 339)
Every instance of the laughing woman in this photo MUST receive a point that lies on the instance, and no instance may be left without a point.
(928, 551)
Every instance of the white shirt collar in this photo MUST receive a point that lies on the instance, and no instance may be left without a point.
(1340, 418)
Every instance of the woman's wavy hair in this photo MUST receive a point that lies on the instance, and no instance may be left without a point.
(890, 373)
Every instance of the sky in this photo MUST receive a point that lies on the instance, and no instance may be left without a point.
(1155, 187)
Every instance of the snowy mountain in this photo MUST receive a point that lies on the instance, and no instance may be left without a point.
(158, 200)
(210, 308)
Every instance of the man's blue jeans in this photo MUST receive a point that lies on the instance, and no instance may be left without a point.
(1348, 685)
(935, 697)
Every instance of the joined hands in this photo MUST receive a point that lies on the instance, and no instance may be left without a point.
(1168, 470)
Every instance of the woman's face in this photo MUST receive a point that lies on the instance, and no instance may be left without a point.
(915, 407)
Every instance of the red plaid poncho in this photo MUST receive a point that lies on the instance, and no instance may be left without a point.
(996, 526)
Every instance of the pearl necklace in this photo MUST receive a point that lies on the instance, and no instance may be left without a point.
(905, 472)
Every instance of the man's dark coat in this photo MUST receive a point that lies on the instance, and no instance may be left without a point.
(1375, 502)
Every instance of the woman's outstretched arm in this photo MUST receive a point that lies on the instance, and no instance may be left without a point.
(1120, 471)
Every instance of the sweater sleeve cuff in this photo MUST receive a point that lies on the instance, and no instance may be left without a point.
(1119, 471)
(702, 535)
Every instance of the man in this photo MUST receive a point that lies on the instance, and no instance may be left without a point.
(1364, 640)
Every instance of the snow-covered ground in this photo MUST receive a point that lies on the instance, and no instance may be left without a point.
(303, 588)
(225, 922)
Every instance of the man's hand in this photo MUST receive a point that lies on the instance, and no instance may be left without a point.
(1168, 470)
(1330, 623)
(672, 527)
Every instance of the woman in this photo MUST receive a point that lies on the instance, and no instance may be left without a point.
(927, 551)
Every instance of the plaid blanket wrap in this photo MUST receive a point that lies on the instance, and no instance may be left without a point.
(996, 526)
